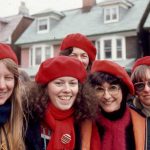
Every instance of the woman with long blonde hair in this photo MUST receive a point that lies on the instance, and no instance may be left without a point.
(11, 113)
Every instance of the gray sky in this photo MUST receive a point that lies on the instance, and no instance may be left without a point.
(10, 7)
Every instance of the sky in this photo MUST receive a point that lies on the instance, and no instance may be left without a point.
(10, 7)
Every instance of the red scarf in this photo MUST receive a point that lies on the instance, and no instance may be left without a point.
(114, 135)
(62, 125)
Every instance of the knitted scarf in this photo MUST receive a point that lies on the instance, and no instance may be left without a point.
(62, 125)
(114, 137)
(5, 111)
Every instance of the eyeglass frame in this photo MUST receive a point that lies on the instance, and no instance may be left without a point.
(108, 90)
(144, 84)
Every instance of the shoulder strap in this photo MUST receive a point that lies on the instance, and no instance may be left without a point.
(139, 126)
(86, 131)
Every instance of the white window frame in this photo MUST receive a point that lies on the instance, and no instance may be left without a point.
(32, 61)
(114, 47)
(47, 23)
(110, 8)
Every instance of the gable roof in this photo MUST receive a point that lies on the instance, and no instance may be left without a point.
(89, 23)
(147, 23)
(11, 24)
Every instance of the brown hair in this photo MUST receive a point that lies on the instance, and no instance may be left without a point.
(139, 74)
(68, 51)
(39, 103)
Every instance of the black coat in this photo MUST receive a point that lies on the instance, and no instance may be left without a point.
(33, 135)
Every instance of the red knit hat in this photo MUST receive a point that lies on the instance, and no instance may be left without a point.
(60, 66)
(141, 61)
(80, 41)
(7, 52)
(114, 69)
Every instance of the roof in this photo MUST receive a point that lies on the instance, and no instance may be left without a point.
(89, 23)
(10, 26)
(48, 11)
(147, 23)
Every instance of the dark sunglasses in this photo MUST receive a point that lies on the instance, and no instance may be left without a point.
(139, 86)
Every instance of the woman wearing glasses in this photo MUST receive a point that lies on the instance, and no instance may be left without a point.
(141, 79)
(116, 127)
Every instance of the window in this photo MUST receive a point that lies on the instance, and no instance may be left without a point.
(107, 49)
(39, 53)
(98, 50)
(107, 14)
(119, 48)
(111, 48)
(47, 52)
(31, 56)
(43, 25)
(111, 14)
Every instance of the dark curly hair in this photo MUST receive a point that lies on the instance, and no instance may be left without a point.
(89, 106)
(38, 100)
(98, 78)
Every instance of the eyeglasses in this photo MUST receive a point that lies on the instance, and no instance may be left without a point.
(139, 86)
(112, 90)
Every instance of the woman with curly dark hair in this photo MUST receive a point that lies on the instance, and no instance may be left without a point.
(116, 126)
(55, 97)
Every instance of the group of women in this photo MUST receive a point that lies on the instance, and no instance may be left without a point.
(75, 102)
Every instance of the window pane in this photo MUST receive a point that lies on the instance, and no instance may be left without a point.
(47, 52)
(38, 55)
(107, 49)
(31, 60)
(114, 13)
(119, 48)
(107, 54)
(98, 49)
(107, 14)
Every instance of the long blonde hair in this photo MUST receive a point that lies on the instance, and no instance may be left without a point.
(14, 127)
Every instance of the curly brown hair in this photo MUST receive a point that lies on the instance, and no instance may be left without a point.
(38, 100)
(87, 105)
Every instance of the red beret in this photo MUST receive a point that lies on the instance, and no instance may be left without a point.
(7, 52)
(80, 41)
(60, 66)
(141, 61)
(114, 69)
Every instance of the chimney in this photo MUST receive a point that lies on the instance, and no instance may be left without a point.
(23, 10)
(88, 3)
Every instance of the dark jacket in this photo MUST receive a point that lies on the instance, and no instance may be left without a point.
(33, 135)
